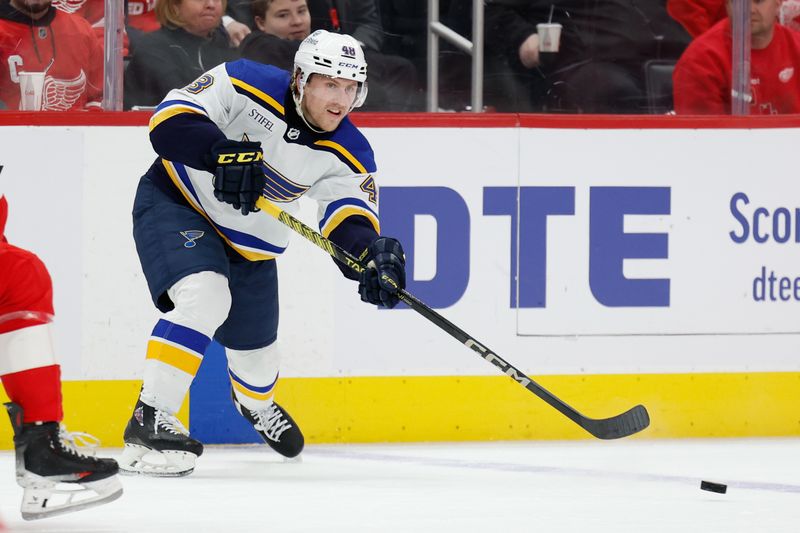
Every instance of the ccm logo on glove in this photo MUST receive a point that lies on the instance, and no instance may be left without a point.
(238, 173)
(241, 157)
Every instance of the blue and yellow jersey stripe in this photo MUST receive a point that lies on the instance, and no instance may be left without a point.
(279, 188)
(350, 146)
(169, 108)
(247, 245)
(263, 84)
(343, 154)
(339, 210)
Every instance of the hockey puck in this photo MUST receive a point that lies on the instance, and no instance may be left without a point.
(714, 487)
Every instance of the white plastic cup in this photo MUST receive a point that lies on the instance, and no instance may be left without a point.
(549, 36)
(31, 86)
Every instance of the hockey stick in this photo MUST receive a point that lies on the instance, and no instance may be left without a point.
(631, 421)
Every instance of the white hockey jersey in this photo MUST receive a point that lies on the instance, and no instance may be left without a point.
(245, 100)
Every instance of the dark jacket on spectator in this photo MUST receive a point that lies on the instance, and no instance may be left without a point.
(608, 30)
(269, 49)
(170, 58)
(392, 79)
(605, 44)
(358, 18)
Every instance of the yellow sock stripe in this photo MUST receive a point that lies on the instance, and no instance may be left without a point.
(173, 356)
(261, 396)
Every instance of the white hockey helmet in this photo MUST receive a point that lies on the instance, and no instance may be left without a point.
(334, 55)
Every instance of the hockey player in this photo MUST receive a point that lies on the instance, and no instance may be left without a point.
(240, 131)
(55, 475)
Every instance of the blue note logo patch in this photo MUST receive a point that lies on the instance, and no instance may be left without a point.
(191, 235)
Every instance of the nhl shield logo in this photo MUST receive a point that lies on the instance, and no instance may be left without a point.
(786, 74)
(191, 235)
(42, 33)
(293, 134)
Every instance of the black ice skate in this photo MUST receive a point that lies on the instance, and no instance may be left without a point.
(56, 476)
(275, 426)
(157, 444)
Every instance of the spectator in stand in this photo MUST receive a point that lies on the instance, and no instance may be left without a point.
(140, 18)
(599, 67)
(358, 18)
(139, 14)
(37, 37)
(283, 24)
(191, 41)
(702, 77)
(697, 16)
(393, 81)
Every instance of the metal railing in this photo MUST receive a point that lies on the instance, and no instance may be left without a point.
(740, 60)
(114, 21)
(474, 48)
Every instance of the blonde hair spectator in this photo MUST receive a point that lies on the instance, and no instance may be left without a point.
(168, 12)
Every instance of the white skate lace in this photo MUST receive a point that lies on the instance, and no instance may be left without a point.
(169, 423)
(271, 422)
(78, 443)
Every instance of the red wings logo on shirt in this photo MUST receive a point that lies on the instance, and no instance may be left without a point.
(68, 6)
(61, 95)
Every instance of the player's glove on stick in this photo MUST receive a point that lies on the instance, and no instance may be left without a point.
(238, 173)
(385, 274)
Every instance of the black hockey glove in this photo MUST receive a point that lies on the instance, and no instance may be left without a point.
(385, 273)
(238, 173)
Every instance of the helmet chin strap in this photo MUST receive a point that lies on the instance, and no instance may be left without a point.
(299, 108)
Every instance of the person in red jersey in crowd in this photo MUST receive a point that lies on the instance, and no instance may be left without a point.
(697, 16)
(702, 77)
(140, 17)
(37, 37)
(139, 14)
(46, 454)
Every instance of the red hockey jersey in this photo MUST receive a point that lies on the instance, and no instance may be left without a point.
(702, 77)
(26, 292)
(60, 44)
(141, 13)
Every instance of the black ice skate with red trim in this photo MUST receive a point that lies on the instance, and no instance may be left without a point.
(57, 476)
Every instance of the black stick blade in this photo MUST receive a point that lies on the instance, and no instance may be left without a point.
(631, 421)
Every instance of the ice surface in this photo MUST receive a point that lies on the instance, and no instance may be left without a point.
(633, 485)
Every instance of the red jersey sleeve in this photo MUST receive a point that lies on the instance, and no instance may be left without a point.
(697, 16)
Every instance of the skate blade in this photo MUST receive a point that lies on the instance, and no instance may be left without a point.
(44, 498)
(139, 460)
